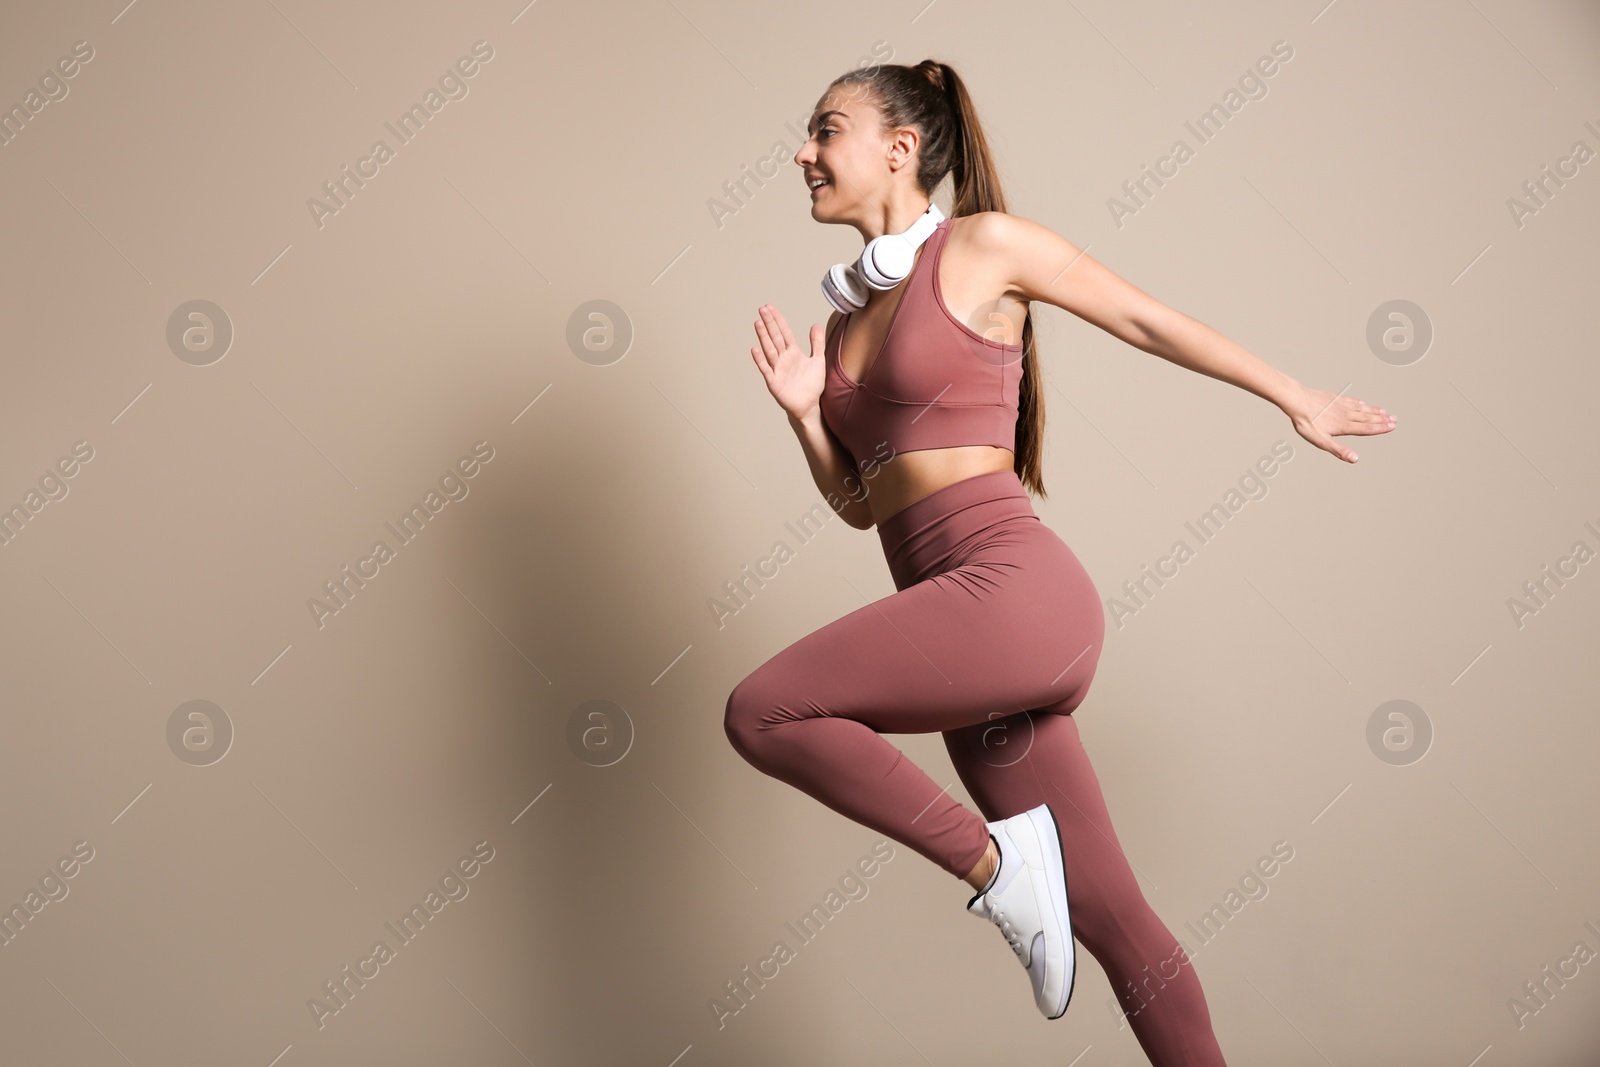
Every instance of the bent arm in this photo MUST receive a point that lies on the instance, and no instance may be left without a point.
(833, 470)
(832, 466)
(1046, 266)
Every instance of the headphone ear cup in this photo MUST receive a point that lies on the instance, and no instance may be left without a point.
(832, 295)
(886, 261)
(843, 289)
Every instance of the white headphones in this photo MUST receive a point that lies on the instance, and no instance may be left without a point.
(883, 264)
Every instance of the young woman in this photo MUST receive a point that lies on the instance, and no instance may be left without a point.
(918, 424)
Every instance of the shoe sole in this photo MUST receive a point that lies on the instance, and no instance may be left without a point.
(1056, 874)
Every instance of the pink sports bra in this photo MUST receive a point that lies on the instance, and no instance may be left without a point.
(935, 383)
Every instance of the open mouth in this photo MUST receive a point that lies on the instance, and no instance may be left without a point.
(817, 183)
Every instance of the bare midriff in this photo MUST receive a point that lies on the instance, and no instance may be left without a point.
(907, 477)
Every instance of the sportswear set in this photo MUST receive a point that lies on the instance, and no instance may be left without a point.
(991, 639)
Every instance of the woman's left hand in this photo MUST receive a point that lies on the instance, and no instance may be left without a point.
(1319, 416)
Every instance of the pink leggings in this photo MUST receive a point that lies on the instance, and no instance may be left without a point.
(992, 639)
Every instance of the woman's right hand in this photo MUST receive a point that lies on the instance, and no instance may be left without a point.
(794, 379)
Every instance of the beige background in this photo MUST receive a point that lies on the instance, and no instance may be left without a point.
(434, 711)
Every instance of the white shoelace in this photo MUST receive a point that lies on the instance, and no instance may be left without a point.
(1012, 935)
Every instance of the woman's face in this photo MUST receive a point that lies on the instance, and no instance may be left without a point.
(847, 151)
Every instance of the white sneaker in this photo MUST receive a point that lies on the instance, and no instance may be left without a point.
(1027, 899)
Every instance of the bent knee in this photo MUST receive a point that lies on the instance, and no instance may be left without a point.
(749, 717)
(742, 719)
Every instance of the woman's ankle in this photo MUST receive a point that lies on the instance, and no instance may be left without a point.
(988, 865)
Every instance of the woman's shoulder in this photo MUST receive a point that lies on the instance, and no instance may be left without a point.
(996, 241)
(990, 230)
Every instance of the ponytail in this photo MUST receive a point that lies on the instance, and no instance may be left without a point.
(933, 99)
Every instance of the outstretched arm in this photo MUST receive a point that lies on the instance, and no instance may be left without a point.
(1043, 265)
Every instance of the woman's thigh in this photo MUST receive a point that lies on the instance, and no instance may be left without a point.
(1014, 625)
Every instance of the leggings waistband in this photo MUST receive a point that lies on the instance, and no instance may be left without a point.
(923, 536)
